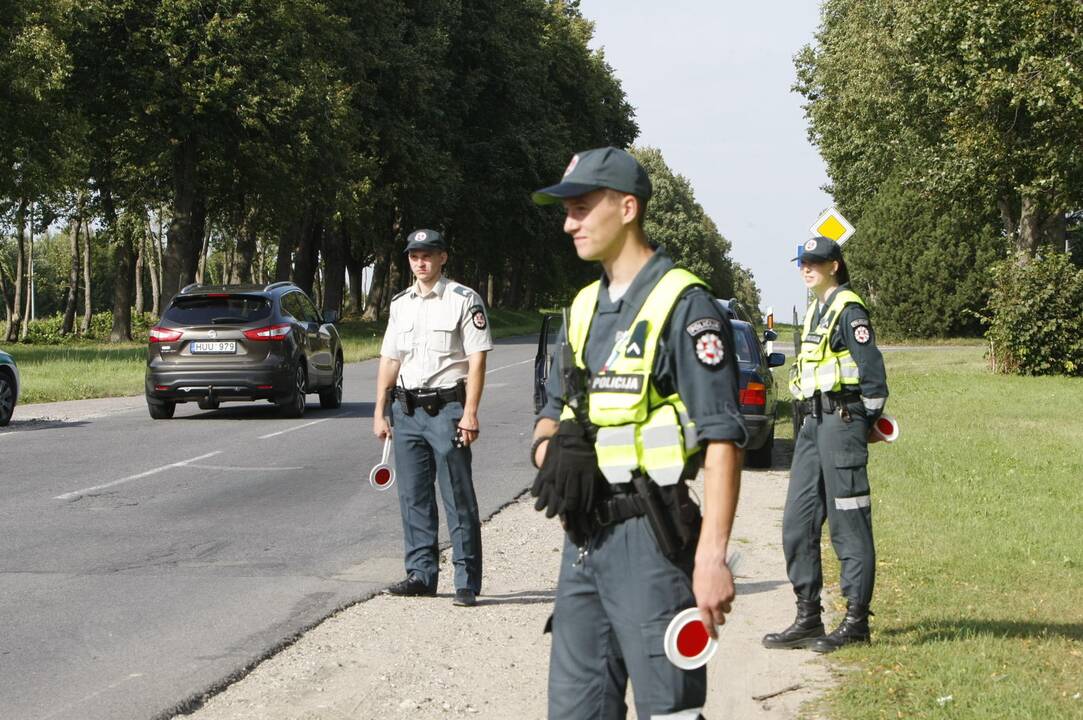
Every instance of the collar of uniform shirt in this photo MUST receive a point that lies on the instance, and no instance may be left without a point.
(642, 284)
(438, 288)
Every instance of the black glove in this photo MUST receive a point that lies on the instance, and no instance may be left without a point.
(544, 487)
(567, 480)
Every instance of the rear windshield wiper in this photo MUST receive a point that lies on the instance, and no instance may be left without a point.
(228, 319)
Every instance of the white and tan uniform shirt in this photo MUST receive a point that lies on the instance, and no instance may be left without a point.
(433, 335)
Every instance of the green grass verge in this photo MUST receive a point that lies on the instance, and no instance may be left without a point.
(977, 513)
(79, 371)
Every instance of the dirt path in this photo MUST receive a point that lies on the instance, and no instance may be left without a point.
(424, 658)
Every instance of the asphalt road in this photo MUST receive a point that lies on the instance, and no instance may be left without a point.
(144, 563)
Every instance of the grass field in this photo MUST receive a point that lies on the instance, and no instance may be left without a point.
(80, 371)
(978, 515)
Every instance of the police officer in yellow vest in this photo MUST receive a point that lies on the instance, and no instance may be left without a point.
(660, 379)
(839, 384)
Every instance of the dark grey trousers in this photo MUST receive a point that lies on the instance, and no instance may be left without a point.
(423, 454)
(609, 623)
(829, 480)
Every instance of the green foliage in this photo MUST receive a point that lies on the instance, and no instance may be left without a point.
(1035, 323)
(981, 102)
(46, 331)
(678, 223)
(921, 263)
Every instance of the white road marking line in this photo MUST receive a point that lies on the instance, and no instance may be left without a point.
(244, 469)
(296, 427)
(505, 367)
(87, 491)
(68, 706)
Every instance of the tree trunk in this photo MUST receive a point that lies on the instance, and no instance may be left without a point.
(335, 242)
(122, 265)
(20, 273)
(357, 275)
(185, 225)
(73, 280)
(308, 249)
(140, 245)
(154, 266)
(246, 248)
(7, 300)
(87, 306)
(28, 306)
(1039, 226)
(376, 289)
(201, 267)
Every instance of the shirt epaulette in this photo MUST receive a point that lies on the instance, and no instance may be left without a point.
(396, 297)
(464, 291)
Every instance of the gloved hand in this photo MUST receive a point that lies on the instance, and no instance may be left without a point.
(567, 480)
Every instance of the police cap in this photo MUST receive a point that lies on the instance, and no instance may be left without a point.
(425, 239)
(820, 249)
(607, 167)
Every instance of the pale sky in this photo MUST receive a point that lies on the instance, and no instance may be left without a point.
(710, 81)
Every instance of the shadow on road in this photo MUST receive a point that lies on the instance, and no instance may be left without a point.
(262, 411)
(526, 597)
(18, 426)
(752, 588)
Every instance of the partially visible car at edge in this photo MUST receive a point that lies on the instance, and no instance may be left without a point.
(757, 389)
(243, 342)
(9, 387)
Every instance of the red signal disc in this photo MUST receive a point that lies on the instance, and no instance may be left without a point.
(692, 639)
(383, 476)
(885, 426)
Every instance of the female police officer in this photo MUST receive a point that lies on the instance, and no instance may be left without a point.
(839, 382)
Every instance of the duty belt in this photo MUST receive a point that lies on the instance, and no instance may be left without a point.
(431, 400)
(618, 508)
(827, 403)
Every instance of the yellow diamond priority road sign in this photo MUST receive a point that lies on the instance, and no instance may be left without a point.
(833, 225)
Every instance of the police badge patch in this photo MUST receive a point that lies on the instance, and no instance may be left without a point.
(709, 350)
(477, 316)
(862, 334)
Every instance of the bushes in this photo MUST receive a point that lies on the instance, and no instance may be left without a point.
(1036, 316)
(46, 331)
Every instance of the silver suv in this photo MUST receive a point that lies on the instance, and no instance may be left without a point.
(243, 342)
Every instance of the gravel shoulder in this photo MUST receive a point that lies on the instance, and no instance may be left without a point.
(393, 657)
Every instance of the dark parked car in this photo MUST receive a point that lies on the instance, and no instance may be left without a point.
(9, 387)
(243, 342)
(757, 392)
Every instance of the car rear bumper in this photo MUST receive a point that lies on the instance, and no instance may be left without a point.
(759, 429)
(190, 384)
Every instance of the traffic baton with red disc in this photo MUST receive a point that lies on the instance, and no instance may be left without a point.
(383, 475)
(687, 643)
(885, 429)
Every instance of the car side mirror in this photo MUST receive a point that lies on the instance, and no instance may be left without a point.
(543, 361)
(776, 359)
(330, 316)
(770, 335)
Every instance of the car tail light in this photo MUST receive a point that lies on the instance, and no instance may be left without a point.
(754, 394)
(159, 334)
(271, 332)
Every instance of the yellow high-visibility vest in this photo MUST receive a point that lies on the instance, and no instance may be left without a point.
(637, 427)
(818, 367)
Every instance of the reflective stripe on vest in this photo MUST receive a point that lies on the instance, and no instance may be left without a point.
(636, 426)
(818, 367)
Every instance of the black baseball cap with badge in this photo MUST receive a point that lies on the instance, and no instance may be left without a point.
(820, 249)
(425, 239)
(590, 170)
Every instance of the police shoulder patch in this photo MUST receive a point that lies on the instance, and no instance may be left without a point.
(464, 291)
(477, 316)
(860, 322)
(710, 350)
(862, 334)
(707, 324)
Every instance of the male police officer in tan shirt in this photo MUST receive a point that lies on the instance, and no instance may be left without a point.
(432, 362)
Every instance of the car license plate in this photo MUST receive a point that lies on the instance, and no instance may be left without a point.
(213, 347)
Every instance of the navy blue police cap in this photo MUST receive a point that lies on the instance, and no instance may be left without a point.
(425, 239)
(607, 167)
(820, 249)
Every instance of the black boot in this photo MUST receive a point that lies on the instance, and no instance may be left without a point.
(854, 628)
(806, 629)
